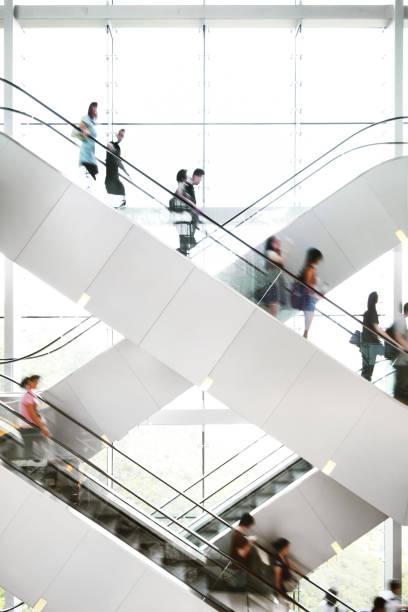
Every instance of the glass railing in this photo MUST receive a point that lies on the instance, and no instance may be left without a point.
(82, 484)
(231, 259)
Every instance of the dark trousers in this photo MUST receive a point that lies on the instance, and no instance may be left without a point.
(401, 384)
(31, 438)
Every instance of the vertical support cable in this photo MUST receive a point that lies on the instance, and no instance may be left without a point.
(204, 115)
(398, 35)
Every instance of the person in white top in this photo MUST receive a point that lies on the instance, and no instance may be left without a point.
(329, 603)
(400, 335)
(392, 596)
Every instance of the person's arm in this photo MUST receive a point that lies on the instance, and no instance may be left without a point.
(401, 341)
(294, 568)
(274, 257)
(84, 128)
(244, 550)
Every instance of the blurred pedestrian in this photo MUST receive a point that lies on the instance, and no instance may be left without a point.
(189, 191)
(371, 345)
(392, 596)
(399, 333)
(284, 579)
(329, 603)
(379, 605)
(275, 295)
(309, 283)
(113, 184)
(31, 435)
(241, 543)
(87, 151)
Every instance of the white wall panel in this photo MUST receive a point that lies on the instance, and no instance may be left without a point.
(389, 182)
(118, 405)
(14, 493)
(373, 460)
(197, 326)
(137, 283)
(41, 524)
(162, 382)
(358, 222)
(145, 596)
(100, 572)
(29, 189)
(74, 242)
(346, 516)
(259, 367)
(324, 403)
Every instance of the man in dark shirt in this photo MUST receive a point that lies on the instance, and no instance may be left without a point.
(241, 545)
(189, 192)
(113, 184)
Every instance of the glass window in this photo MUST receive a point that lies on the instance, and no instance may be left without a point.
(363, 561)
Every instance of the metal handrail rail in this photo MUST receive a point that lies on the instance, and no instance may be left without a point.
(112, 493)
(218, 467)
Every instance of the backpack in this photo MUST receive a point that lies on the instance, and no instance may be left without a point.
(297, 296)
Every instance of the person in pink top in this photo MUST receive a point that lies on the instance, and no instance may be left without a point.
(29, 411)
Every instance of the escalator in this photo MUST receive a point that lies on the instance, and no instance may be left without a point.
(110, 509)
(180, 312)
(263, 477)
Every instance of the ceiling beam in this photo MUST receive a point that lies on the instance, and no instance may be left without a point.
(190, 15)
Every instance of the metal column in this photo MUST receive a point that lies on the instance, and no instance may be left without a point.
(10, 30)
(398, 40)
(392, 551)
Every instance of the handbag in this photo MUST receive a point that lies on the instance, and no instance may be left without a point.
(77, 133)
(297, 296)
(356, 338)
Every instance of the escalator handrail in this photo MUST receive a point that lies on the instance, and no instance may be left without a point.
(14, 607)
(315, 161)
(111, 492)
(263, 257)
(5, 360)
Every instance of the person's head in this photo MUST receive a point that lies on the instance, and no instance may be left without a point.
(120, 135)
(331, 596)
(181, 176)
(273, 244)
(282, 546)
(372, 301)
(406, 309)
(246, 521)
(93, 110)
(30, 382)
(395, 585)
(197, 176)
(379, 604)
(313, 256)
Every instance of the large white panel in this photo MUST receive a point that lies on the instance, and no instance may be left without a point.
(320, 409)
(147, 596)
(40, 540)
(137, 283)
(345, 515)
(389, 181)
(259, 367)
(29, 188)
(358, 222)
(163, 383)
(4, 141)
(74, 242)
(64, 397)
(372, 460)
(15, 493)
(197, 326)
(308, 231)
(118, 405)
(291, 516)
(98, 575)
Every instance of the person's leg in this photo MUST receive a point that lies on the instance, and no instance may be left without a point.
(367, 369)
(309, 314)
(401, 384)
